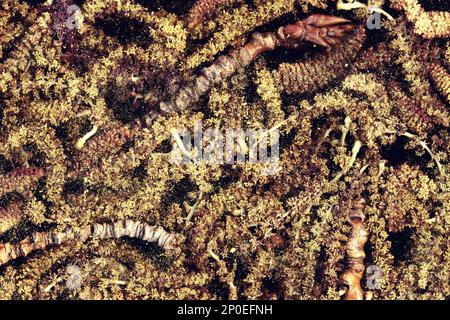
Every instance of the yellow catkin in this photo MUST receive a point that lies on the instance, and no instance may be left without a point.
(270, 95)
(433, 24)
(18, 61)
(166, 30)
(447, 53)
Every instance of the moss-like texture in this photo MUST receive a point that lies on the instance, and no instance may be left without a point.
(368, 119)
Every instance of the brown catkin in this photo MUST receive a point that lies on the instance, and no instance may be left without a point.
(19, 179)
(314, 74)
(374, 58)
(105, 143)
(204, 9)
(10, 216)
(107, 230)
(441, 79)
(409, 110)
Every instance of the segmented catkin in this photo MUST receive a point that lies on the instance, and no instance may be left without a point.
(428, 24)
(355, 253)
(447, 54)
(105, 143)
(374, 58)
(314, 74)
(107, 230)
(20, 179)
(441, 79)
(10, 216)
(204, 9)
(410, 110)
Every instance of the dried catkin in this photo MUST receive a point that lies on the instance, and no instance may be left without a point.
(355, 253)
(409, 109)
(374, 58)
(107, 230)
(441, 79)
(105, 143)
(20, 179)
(314, 74)
(204, 9)
(10, 216)
(447, 54)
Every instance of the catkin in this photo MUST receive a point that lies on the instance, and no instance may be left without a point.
(410, 111)
(19, 179)
(204, 9)
(314, 74)
(105, 143)
(107, 230)
(18, 60)
(428, 24)
(10, 216)
(441, 79)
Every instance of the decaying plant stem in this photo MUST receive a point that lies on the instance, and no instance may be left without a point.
(355, 253)
(107, 230)
(323, 30)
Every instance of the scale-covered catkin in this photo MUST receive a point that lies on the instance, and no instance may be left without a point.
(204, 9)
(314, 74)
(10, 216)
(374, 58)
(107, 230)
(20, 179)
(409, 110)
(102, 144)
(441, 79)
